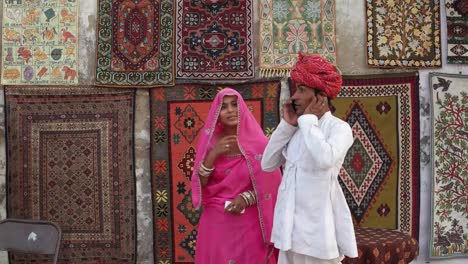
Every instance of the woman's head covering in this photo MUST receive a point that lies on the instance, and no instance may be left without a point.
(252, 142)
(316, 72)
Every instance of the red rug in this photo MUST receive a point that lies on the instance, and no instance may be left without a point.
(177, 117)
(456, 12)
(135, 42)
(380, 174)
(214, 39)
(70, 161)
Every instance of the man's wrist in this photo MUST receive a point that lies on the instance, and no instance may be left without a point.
(291, 123)
(307, 120)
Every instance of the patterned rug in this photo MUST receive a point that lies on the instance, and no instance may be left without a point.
(380, 174)
(177, 116)
(457, 31)
(135, 42)
(403, 33)
(39, 42)
(70, 161)
(214, 39)
(287, 27)
(449, 225)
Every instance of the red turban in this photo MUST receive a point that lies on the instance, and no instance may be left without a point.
(316, 72)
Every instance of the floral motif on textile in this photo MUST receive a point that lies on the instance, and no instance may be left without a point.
(449, 229)
(70, 161)
(287, 27)
(403, 33)
(380, 173)
(178, 116)
(39, 42)
(214, 39)
(457, 31)
(135, 42)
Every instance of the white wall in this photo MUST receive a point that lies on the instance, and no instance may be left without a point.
(351, 37)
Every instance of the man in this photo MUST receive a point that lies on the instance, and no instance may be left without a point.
(312, 222)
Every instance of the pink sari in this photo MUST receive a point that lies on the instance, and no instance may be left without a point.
(224, 237)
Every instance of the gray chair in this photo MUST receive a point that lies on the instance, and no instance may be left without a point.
(30, 236)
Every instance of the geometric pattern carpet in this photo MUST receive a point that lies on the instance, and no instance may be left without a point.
(380, 173)
(214, 39)
(70, 161)
(403, 34)
(449, 195)
(457, 31)
(177, 119)
(135, 43)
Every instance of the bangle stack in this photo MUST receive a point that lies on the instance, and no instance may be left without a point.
(204, 171)
(249, 197)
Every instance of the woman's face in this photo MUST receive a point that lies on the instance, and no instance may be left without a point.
(228, 114)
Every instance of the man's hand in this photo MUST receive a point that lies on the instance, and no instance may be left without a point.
(289, 114)
(318, 106)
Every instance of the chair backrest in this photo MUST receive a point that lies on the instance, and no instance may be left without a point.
(30, 236)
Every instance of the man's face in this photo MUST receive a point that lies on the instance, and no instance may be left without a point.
(302, 98)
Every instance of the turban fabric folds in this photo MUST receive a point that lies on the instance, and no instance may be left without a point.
(316, 72)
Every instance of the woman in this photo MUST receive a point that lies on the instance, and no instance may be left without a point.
(227, 169)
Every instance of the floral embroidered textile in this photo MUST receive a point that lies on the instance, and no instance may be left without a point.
(287, 27)
(403, 33)
(449, 230)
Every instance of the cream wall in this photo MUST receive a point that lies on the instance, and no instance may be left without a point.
(351, 49)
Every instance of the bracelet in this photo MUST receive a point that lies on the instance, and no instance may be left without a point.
(246, 200)
(204, 171)
(249, 197)
(205, 168)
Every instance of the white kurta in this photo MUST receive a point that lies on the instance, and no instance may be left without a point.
(311, 214)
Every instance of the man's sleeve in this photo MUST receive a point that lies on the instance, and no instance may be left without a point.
(326, 150)
(273, 156)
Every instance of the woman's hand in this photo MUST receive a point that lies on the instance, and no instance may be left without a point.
(226, 144)
(236, 206)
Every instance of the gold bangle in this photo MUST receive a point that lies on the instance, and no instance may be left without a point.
(204, 172)
(249, 197)
(205, 168)
(245, 199)
(254, 197)
(206, 175)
